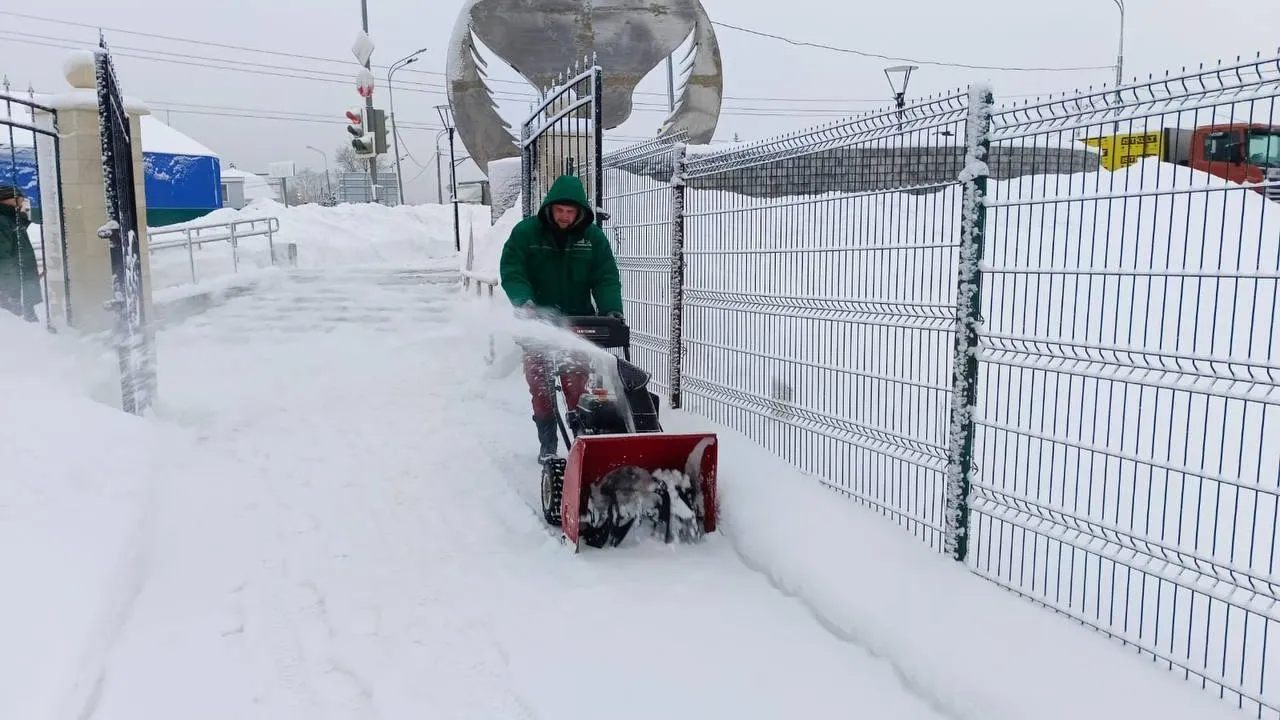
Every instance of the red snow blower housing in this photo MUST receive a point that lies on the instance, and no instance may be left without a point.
(623, 471)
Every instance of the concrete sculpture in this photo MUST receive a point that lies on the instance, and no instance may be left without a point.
(540, 39)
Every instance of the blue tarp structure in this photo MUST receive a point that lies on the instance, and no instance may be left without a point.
(179, 187)
(24, 160)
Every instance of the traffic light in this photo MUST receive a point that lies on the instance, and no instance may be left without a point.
(378, 127)
(361, 140)
(355, 116)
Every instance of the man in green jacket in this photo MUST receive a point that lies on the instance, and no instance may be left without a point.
(19, 274)
(559, 260)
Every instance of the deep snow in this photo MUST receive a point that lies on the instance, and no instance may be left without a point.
(333, 513)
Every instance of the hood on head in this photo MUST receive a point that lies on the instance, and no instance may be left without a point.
(567, 189)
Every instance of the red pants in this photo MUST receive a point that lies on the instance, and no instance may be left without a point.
(538, 372)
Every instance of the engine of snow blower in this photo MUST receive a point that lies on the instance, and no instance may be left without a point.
(623, 471)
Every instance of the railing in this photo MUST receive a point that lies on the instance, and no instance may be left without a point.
(192, 237)
(1058, 367)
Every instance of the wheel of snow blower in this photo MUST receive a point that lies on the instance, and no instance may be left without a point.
(552, 490)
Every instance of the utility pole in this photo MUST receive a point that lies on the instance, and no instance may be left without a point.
(1119, 67)
(368, 105)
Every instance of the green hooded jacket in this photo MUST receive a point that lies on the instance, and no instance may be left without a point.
(558, 269)
(19, 273)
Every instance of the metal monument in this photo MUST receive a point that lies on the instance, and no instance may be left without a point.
(538, 40)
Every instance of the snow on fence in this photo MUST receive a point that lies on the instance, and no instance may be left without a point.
(1120, 461)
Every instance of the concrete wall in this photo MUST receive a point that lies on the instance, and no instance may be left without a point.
(873, 169)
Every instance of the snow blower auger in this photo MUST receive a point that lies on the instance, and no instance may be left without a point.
(623, 471)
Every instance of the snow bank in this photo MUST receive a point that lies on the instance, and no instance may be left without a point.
(89, 516)
(344, 235)
(72, 499)
(484, 253)
(960, 642)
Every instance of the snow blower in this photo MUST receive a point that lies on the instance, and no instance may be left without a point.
(623, 472)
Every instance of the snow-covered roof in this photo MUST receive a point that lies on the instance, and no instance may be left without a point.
(160, 138)
(157, 137)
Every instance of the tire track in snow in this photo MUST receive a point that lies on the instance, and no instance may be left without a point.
(90, 681)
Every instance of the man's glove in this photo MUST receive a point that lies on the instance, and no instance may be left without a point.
(616, 315)
(526, 311)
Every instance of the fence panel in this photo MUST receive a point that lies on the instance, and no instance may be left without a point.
(638, 197)
(819, 301)
(1127, 416)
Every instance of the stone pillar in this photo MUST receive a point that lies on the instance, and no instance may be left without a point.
(84, 202)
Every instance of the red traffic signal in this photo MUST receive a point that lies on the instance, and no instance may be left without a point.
(356, 117)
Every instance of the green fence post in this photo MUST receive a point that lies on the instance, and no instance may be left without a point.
(675, 356)
(964, 366)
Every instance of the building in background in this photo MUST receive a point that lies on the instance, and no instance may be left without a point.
(184, 178)
(239, 188)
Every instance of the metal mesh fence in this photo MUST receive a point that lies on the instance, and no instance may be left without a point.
(1127, 433)
(1120, 460)
(639, 199)
(820, 325)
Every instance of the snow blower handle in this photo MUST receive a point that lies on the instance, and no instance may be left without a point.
(607, 332)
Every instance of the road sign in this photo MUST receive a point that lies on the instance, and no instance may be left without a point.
(362, 48)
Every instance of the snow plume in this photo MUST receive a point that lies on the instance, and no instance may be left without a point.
(511, 334)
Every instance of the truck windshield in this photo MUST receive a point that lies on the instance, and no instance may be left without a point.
(1264, 148)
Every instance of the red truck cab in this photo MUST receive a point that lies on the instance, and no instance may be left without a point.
(1239, 152)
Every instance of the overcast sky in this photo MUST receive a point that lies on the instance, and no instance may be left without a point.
(239, 103)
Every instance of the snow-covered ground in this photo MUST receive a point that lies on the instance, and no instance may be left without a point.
(334, 513)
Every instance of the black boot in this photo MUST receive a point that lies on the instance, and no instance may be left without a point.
(547, 442)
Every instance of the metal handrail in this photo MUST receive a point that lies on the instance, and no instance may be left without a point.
(191, 236)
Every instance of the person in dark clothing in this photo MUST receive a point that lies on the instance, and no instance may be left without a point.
(559, 260)
(19, 275)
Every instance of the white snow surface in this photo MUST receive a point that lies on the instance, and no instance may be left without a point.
(361, 234)
(333, 513)
(157, 137)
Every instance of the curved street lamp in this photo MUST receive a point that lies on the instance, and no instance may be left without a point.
(395, 125)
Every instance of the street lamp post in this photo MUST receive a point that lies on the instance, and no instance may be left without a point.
(395, 123)
(328, 187)
(1120, 51)
(899, 94)
(446, 118)
(439, 180)
(1119, 64)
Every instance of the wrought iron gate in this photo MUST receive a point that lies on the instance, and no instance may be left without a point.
(564, 136)
(133, 344)
(30, 160)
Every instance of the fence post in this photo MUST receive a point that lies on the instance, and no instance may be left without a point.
(964, 367)
(675, 353)
(527, 202)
